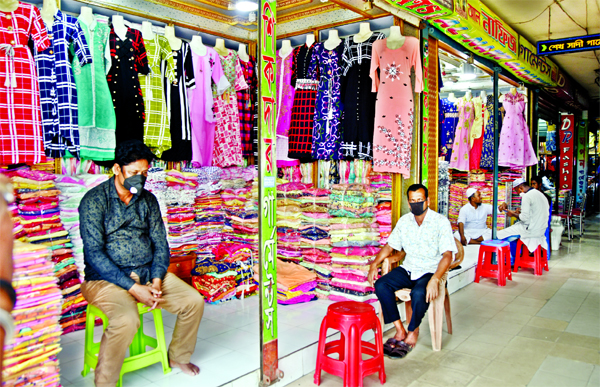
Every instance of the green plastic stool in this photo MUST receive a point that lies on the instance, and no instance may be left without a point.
(138, 357)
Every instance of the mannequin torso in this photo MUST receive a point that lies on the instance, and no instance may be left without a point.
(147, 32)
(286, 49)
(242, 53)
(174, 42)
(48, 11)
(333, 40)
(220, 48)
(468, 95)
(119, 26)
(452, 97)
(9, 5)
(310, 40)
(86, 16)
(197, 46)
(364, 33)
(395, 40)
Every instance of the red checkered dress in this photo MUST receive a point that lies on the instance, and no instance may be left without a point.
(247, 105)
(303, 110)
(21, 138)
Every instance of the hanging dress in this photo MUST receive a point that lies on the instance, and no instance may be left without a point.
(460, 148)
(58, 92)
(128, 59)
(476, 133)
(487, 153)
(207, 69)
(157, 132)
(394, 113)
(285, 100)
(515, 149)
(178, 108)
(21, 139)
(357, 98)
(448, 120)
(228, 144)
(327, 132)
(246, 105)
(303, 110)
(96, 114)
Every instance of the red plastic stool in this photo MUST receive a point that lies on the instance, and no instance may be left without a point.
(538, 262)
(352, 319)
(485, 268)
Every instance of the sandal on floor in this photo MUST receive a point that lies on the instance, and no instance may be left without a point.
(399, 351)
(390, 344)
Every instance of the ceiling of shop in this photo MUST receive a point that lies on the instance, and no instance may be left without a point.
(554, 19)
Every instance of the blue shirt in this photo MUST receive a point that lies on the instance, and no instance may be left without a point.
(119, 239)
(424, 245)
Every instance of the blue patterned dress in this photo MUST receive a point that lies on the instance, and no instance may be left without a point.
(449, 120)
(327, 132)
(487, 153)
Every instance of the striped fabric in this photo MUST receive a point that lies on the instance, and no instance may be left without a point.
(57, 85)
(20, 123)
(157, 133)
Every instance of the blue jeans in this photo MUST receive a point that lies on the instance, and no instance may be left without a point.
(386, 288)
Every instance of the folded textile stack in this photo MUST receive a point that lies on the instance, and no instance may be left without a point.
(181, 230)
(295, 284)
(443, 188)
(350, 269)
(242, 256)
(457, 176)
(289, 221)
(458, 198)
(37, 200)
(383, 216)
(210, 220)
(216, 287)
(352, 201)
(487, 196)
(323, 272)
(18, 229)
(206, 174)
(382, 184)
(157, 184)
(30, 358)
(181, 180)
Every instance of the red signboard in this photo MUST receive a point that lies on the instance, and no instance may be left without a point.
(567, 140)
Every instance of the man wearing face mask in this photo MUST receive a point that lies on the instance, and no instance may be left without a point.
(533, 217)
(426, 237)
(126, 259)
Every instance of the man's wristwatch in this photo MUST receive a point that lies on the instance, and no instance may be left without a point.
(9, 290)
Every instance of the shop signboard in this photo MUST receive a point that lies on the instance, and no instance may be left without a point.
(567, 141)
(267, 175)
(582, 156)
(566, 45)
(532, 67)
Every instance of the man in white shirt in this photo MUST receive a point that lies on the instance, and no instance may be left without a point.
(426, 237)
(472, 218)
(533, 216)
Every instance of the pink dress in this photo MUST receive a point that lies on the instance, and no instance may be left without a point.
(228, 141)
(461, 147)
(394, 114)
(207, 69)
(515, 149)
(285, 101)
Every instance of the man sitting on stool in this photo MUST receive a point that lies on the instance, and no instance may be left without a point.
(533, 217)
(426, 237)
(472, 218)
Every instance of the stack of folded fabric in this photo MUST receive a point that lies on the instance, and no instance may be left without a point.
(157, 185)
(217, 287)
(383, 217)
(18, 229)
(295, 284)
(458, 199)
(382, 184)
(350, 268)
(181, 180)
(181, 232)
(37, 200)
(487, 196)
(210, 220)
(315, 225)
(288, 222)
(242, 256)
(30, 358)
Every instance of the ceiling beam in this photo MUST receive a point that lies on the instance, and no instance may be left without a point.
(352, 8)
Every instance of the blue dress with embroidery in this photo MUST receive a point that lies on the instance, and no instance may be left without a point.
(487, 152)
(327, 131)
(449, 120)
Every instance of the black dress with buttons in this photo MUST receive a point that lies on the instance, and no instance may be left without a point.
(358, 100)
(128, 59)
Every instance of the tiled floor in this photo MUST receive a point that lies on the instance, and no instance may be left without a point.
(536, 331)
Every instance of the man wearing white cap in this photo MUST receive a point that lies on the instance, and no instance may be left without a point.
(472, 218)
(533, 217)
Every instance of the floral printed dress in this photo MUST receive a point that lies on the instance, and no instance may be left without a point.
(327, 131)
(228, 143)
(394, 113)
(461, 148)
(515, 149)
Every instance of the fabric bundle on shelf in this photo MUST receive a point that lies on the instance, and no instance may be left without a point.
(289, 221)
(458, 199)
(30, 358)
(350, 268)
(295, 284)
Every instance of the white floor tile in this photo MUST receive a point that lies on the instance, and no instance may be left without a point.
(207, 351)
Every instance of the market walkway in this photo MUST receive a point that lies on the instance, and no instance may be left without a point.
(536, 331)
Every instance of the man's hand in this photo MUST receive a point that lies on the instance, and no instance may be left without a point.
(156, 289)
(372, 274)
(503, 207)
(432, 289)
(147, 295)
(463, 240)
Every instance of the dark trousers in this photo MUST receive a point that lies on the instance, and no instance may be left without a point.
(386, 288)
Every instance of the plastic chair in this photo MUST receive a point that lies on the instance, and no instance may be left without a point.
(438, 306)
(485, 267)
(538, 262)
(352, 319)
(579, 214)
(138, 357)
(567, 216)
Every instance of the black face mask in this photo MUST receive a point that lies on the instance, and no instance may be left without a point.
(135, 184)
(417, 208)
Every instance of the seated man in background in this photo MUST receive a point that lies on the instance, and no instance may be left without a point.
(426, 237)
(472, 218)
(533, 216)
(126, 259)
(538, 183)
